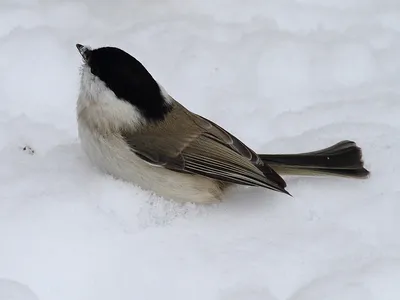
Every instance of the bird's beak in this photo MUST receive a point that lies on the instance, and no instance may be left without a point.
(84, 51)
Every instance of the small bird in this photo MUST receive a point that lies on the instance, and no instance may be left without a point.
(131, 128)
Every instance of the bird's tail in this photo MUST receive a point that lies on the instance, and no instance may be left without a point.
(341, 159)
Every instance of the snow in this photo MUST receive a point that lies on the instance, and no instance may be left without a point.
(282, 75)
(12, 290)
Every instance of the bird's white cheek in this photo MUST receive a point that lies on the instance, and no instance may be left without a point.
(100, 107)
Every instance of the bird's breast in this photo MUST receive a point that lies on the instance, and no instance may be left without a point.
(112, 155)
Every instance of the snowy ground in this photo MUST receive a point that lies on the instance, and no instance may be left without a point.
(300, 74)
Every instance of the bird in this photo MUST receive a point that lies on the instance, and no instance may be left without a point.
(131, 128)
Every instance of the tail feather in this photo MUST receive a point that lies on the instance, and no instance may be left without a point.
(341, 159)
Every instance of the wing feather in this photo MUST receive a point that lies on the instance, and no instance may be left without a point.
(201, 147)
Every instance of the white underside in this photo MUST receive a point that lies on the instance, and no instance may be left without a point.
(113, 156)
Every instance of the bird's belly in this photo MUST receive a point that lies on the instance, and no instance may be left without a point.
(113, 156)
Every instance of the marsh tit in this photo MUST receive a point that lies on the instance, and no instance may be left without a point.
(131, 128)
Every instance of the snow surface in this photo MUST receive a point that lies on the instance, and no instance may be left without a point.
(12, 290)
(282, 75)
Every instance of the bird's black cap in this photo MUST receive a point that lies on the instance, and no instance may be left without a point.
(127, 78)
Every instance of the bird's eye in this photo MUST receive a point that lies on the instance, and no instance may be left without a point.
(95, 70)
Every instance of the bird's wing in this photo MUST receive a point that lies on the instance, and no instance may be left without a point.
(202, 148)
(220, 135)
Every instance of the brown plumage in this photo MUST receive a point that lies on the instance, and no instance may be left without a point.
(204, 148)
